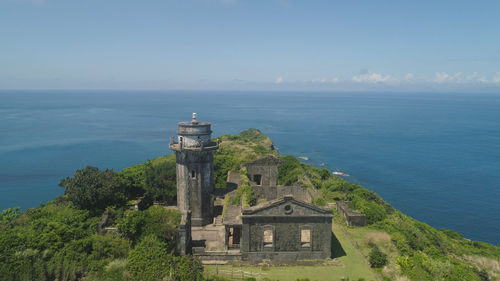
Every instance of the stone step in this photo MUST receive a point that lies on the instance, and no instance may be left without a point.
(218, 220)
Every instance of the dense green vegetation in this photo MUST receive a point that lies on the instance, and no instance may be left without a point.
(334, 188)
(244, 194)
(377, 258)
(155, 220)
(235, 150)
(94, 190)
(424, 253)
(61, 241)
(154, 179)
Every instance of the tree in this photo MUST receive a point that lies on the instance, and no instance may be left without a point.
(187, 268)
(10, 214)
(325, 174)
(289, 171)
(149, 260)
(94, 190)
(156, 220)
(160, 181)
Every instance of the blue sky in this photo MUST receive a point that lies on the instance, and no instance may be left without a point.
(249, 45)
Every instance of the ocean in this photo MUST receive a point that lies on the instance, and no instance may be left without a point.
(434, 156)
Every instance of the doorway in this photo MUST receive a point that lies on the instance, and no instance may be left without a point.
(233, 238)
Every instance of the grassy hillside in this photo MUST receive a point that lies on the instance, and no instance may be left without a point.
(62, 241)
(414, 250)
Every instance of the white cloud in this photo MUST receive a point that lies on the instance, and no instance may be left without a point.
(372, 77)
(410, 77)
(237, 80)
(444, 77)
(476, 77)
(319, 80)
(496, 78)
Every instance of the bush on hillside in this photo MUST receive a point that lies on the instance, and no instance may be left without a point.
(289, 171)
(160, 181)
(150, 260)
(245, 194)
(377, 258)
(92, 189)
(319, 202)
(156, 221)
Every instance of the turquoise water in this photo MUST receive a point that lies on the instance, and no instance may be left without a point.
(436, 157)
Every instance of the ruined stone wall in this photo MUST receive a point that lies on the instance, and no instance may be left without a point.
(356, 220)
(298, 192)
(351, 217)
(268, 173)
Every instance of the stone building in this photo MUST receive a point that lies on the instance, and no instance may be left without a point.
(286, 229)
(264, 171)
(351, 217)
(285, 225)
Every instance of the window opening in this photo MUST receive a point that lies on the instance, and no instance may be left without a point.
(305, 238)
(257, 179)
(193, 174)
(268, 238)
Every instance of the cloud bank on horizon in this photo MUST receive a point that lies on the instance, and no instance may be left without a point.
(249, 45)
(409, 78)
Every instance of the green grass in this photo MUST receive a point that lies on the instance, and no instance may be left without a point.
(350, 265)
(364, 237)
(354, 265)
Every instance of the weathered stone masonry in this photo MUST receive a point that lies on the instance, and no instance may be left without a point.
(286, 226)
(286, 229)
(195, 170)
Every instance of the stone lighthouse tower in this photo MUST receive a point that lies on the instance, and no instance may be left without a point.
(195, 169)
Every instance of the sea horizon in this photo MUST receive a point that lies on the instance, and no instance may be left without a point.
(434, 156)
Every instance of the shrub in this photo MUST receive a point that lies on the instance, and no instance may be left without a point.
(160, 222)
(319, 202)
(149, 260)
(451, 233)
(377, 258)
(10, 214)
(244, 195)
(289, 171)
(160, 181)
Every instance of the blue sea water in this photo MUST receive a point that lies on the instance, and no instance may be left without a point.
(436, 157)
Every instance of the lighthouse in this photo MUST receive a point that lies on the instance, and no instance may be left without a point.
(195, 169)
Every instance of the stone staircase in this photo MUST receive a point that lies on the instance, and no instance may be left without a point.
(218, 220)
